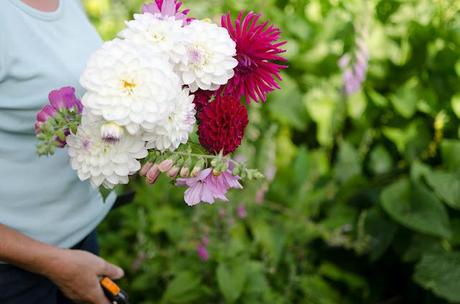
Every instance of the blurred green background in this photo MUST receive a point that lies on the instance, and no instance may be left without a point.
(364, 204)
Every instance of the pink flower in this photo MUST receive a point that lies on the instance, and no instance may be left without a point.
(207, 187)
(241, 211)
(63, 98)
(203, 252)
(257, 51)
(167, 8)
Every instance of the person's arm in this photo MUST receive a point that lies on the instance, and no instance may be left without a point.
(75, 272)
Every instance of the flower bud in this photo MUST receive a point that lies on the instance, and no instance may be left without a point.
(197, 168)
(185, 171)
(166, 165)
(145, 168)
(153, 173)
(111, 132)
(173, 172)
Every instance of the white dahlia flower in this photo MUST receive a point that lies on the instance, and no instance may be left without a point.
(166, 35)
(209, 59)
(129, 85)
(104, 163)
(176, 128)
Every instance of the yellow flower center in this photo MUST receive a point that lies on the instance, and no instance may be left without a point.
(128, 86)
(158, 37)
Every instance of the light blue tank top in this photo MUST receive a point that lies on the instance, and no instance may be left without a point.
(39, 196)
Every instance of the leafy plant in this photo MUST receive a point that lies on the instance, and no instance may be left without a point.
(364, 205)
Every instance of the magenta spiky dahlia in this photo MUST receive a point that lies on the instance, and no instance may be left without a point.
(258, 50)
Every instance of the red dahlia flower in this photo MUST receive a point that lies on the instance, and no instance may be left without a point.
(202, 99)
(222, 124)
(257, 50)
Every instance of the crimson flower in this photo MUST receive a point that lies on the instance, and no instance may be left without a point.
(257, 49)
(222, 124)
(202, 99)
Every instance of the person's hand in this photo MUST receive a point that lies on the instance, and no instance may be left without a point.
(77, 274)
(151, 171)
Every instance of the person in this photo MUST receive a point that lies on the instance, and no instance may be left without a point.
(48, 250)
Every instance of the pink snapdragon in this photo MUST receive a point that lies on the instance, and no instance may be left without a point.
(59, 100)
(207, 187)
(63, 98)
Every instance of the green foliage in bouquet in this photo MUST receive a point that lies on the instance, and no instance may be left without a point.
(364, 206)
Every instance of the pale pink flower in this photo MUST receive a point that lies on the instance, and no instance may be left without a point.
(207, 187)
(167, 8)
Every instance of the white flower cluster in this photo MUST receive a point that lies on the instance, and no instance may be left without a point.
(138, 93)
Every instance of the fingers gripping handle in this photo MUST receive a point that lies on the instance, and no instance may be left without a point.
(113, 292)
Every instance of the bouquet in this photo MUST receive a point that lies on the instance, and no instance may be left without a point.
(168, 95)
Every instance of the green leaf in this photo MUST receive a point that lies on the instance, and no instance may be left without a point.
(301, 165)
(447, 187)
(231, 280)
(381, 231)
(440, 273)
(184, 288)
(338, 274)
(378, 99)
(256, 283)
(356, 105)
(455, 103)
(349, 162)
(412, 140)
(405, 99)
(418, 245)
(380, 161)
(457, 67)
(270, 239)
(317, 290)
(450, 151)
(415, 207)
(321, 107)
(286, 105)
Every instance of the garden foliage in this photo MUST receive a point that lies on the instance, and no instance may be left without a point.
(362, 198)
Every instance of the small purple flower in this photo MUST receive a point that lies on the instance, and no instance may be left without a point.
(207, 187)
(241, 211)
(167, 8)
(58, 99)
(63, 98)
(354, 65)
(203, 253)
